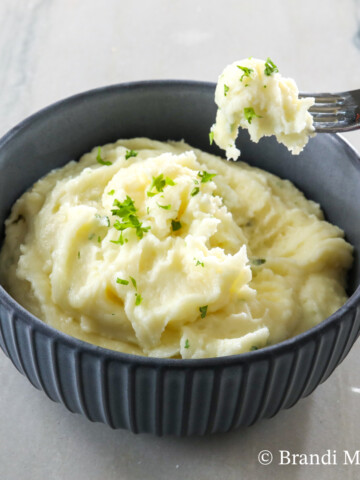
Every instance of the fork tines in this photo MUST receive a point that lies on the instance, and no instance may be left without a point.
(334, 112)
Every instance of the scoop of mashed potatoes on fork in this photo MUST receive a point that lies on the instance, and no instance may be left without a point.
(252, 94)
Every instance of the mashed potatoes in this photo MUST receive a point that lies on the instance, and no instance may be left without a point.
(252, 94)
(163, 250)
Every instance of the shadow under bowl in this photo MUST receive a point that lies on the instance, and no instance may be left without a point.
(167, 396)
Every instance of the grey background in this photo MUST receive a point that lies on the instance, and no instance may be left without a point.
(50, 49)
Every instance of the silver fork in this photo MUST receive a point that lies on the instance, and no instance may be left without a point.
(335, 112)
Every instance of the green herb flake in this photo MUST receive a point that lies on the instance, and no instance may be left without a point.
(159, 183)
(187, 344)
(247, 72)
(195, 191)
(165, 207)
(265, 86)
(126, 210)
(99, 239)
(175, 225)
(203, 311)
(226, 89)
(78, 255)
(130, 153)
(91, 236)
(249, 114)
(111, 192)
(120, 241)
(138, 299)
(206, 177)
(270, 67)
(133, 281)
(169, 181)
(100, 160)
(211, 137)
(121, 281)
(258, 261)
(253, 348)
(199, 263)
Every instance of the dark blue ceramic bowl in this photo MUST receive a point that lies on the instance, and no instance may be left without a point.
(182, 397)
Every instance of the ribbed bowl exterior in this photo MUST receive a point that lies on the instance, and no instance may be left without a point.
(160, 396)
(144, 397)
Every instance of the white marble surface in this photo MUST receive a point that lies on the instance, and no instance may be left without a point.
(50, 49)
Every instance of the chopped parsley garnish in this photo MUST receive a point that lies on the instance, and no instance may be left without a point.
(127, 212)
(159, 183)
(175, 225)
(206, 177)
(254, 348)
(258, 261)
(121, 240)
(247, 72)
(165, 207)
(99, 239)
(199, 263)
(270, 67)
(169, 181)
(111, 192)
(203, 311)
(124, 209)
(138, 299)
(187, 344)
(100, 160)
(226, 89)
(265, 86)
(211, 137)
(132, 222)
(91, 236)
(130, 153)
(249, 114)
(78, 253)
(195, 191)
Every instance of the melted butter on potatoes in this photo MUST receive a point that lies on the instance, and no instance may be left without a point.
(160, 249)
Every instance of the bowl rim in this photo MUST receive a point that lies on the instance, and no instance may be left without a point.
(144, 361)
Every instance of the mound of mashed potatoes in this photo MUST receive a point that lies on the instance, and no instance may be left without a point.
(252, 94)
(163, 250)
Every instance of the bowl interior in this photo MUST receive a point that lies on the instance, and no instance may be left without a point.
(327, 171)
